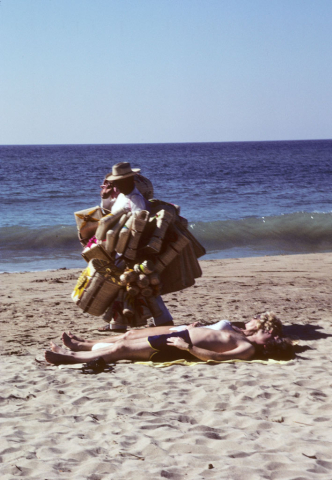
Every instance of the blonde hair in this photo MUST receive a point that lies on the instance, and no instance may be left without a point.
(269, 321)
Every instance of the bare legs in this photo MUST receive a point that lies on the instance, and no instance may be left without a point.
(77, 344)
(123, 350)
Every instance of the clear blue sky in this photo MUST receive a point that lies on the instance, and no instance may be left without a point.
(145, 71)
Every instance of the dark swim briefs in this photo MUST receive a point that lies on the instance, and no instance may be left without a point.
(167, 353)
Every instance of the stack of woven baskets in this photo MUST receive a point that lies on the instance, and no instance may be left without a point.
(136, 258)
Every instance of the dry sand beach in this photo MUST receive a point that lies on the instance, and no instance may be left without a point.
(228, 421)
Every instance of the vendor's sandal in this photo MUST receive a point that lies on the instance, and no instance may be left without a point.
(105, 328)
(113, 327)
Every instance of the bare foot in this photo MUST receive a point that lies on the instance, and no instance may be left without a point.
(75, 337)
(59, 358)
(62, 356)
(55, 348)
(74, 344)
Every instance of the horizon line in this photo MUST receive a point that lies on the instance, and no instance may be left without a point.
(157, 143)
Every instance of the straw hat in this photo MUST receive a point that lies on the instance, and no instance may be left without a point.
(122, 170)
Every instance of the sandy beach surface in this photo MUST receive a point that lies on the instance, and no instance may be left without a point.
(228, 421)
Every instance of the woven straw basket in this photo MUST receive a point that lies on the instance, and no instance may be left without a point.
(96, 288)
(96, 251)
(87, 222)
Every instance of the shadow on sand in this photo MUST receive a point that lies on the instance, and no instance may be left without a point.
(305, 332)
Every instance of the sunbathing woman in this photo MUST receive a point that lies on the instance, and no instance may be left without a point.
(267, 322)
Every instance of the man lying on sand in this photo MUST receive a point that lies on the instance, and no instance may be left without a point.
(268, 322)
(197, 343)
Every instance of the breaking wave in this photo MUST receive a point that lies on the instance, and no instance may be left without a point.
(296, 233)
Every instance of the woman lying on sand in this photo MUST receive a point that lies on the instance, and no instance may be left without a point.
(267, 321)
(197, 343)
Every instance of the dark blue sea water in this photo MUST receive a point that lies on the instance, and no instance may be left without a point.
(241, 199)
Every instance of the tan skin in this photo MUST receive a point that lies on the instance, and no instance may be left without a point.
(206, 345)
(77, 344)
(106, 189)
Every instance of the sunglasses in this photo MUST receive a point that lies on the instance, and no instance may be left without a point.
(106, 184)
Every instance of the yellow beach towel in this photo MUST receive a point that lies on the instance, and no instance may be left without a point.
(189, 364)
(210, 362)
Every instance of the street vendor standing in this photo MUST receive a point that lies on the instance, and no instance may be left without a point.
(118, 193)
(141, 249)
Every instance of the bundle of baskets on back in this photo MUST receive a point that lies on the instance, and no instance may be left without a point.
(137, 258)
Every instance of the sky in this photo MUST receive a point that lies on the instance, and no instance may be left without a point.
(160, 71)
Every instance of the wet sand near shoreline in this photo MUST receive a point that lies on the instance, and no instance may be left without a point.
(229, 421)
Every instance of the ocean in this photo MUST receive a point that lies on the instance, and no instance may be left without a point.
(241, 199)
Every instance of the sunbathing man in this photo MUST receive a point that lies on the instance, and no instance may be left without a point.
(267, 321)
(199, 343)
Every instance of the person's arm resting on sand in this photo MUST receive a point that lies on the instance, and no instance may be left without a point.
(244, 351)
